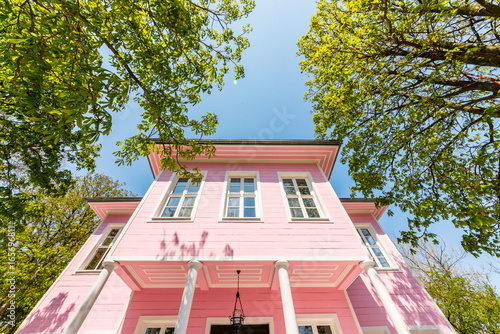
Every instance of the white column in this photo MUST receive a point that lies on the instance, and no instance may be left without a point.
(91, 297)
(286, 298)
(187, 298)
(391, 308)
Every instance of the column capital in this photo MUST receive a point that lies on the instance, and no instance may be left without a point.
(110, 265)
(367, 264)
(281, 264)
(195, 264)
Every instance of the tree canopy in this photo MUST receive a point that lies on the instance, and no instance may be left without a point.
(466, 297)
(66, 66)
(52, 230)
(411, 89)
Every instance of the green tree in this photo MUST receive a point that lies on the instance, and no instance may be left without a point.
(409, 87)
(58, 91)
(466, 297)
(53, 230)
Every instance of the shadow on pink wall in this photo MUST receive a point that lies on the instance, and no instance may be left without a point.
(52, 317)
(176, 247)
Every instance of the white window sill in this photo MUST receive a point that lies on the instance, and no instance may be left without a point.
(87, 272)
(387, 270)
(311, 220)
(170, 219)
(241, 220)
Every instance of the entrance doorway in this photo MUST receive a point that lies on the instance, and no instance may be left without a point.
(247, 329)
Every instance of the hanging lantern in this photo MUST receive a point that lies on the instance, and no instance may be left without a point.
(238, 316)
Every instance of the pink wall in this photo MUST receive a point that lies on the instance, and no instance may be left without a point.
(275, 236)
(257, 303)
(412, 300)
(63, 299)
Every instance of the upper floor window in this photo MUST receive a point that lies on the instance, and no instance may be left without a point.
(315, 329)
(301, 199)
(103, 248)
(370, 241)
(181, 200)
(241, 199)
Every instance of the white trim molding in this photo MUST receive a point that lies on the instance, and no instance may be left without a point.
(257, 195)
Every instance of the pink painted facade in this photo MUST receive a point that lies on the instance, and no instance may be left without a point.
(326, 257)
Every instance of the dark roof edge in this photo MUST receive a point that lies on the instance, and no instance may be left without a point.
(357, 200)
(261, 141)
(112, 199)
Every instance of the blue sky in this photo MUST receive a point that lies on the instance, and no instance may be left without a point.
(267, 104)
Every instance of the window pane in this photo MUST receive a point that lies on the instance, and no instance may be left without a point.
(287, 182)
(249, 189)
(96, 259)
(249, 201)
(169, 212)
(189, 201)
(304, 191)
(173, 201)
(290, 190)
(185, 212)
(370, 240)
(309, 202)
(296, 213)
(180, 186)
(153, 330)
(234, 189)
(249, 212)
(365, 232)
(301, 182)
(377, 252)
(193, 189)
(294, 202)
(233, 212)
(305, 330)
(324, 330)
(383, 262)
(233, 201)
(235, 181)
(111, 236)
(312, 213)
(169, 330)
(249, 182)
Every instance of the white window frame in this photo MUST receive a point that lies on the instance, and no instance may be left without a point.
(248, 320)
(162, 321)
(167, 194)
(375, 330)
(226, 195)
(429, 329)
(104, 235)
(323, 217)
(390, 261)
(315, 320)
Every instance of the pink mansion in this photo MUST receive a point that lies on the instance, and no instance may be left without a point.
(308, 261)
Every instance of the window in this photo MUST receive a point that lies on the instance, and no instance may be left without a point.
(181, 200)
(315, 329)
(156, 325)
(240, 201)
(103, 249)
(159, 330)
(318, 324)
(302, 202)
(370, 241)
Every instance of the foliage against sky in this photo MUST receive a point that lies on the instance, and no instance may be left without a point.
(467, 298)
(53, 230)
(57, 93)
(411, 89)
